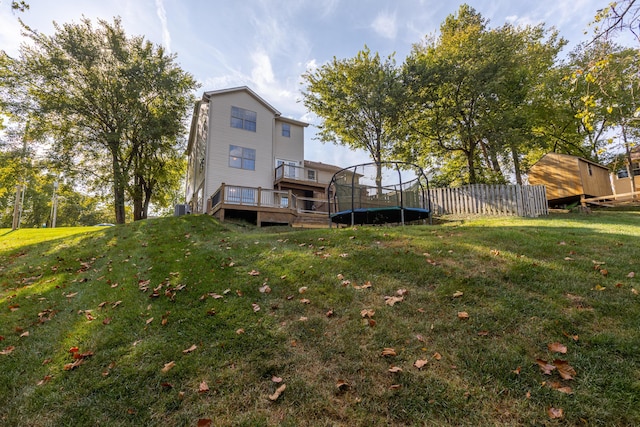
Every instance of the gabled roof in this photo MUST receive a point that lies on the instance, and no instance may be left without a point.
(292, 121)
(211, 93)
(568, 156)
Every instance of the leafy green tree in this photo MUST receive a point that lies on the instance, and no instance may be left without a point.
(357, 100)
(107, 101)
(470, 94)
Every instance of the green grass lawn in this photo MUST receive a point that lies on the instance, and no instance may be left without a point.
(182, 321)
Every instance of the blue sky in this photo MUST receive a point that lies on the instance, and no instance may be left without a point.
(268, 44)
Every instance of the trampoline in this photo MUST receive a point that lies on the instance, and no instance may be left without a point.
(379, 193)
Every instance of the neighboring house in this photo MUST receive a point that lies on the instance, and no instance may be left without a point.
(569, 179)
(622, 177)
(247, 161)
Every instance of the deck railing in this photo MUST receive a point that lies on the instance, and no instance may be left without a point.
(298, 173)
(252, 196)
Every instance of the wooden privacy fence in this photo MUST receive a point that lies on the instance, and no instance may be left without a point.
(481, 199)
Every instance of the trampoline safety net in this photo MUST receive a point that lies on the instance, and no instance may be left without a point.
(379, 193)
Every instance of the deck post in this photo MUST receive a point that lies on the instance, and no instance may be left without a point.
(259, 196)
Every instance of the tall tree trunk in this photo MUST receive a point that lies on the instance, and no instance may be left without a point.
(471, 153)
(119, 184)
(516, 164)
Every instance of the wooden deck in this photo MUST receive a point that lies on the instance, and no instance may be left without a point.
(265, 207)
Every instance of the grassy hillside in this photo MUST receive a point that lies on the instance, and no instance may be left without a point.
(185, 321)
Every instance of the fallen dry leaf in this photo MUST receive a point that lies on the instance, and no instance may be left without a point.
(44, 380)
(276, 394)
(367, 313)
(546, 368)
(149, 320)
(420, 338)
(631, 275)
(420, 363)
(458, 294)
(255, 307)
(240, 331)
(203, 387)
(402, 292)
(565, 370)
(573, 337)
(559, 387)
(254, 273)
(276, 380)
(395, 369)
(517, 370)
(7, 350)
(24, 334)
(437, 356)
(190, 349)
(634, 291)
(305, 301)
(168, 366)
(329, 313)
(342, 384)
(395, 386)
(557, 347)
(205, 422)
(555, 413)
(265, 289)
(71, 295)
(390, 301)
(463, 315)
(387, 351)
(303, 289)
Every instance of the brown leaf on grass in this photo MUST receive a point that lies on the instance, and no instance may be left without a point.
(24, 334)
(265, 289)
(559, 387)
(303, 289)
(115, 304)
(44, 380)
(276, 380)
(7, 350)
(305, 301)
(255, 307)
(463, 315)
(240, 331)
(631, 275)
(557, 347)
(190, 349)
(634, 291)
(203, 387)
(106, 320)
(420, 363)
(395, 386)
(149, 320)
(458, 294)
(205, 422)
(367, 313)
(565, 370)
(254, 273)
(168, 366)
(573, 337)
(71, 295)
(276, 394)
(494, 252)
(546, 367)
(342, 385)
(395, 369)
(388, 351)
(74, 365)
(366, 285)
(402, 292)
(555, 413)
(517, 370)
(329, 313)
(420, 338)
(390, 301)
(604, 272)
(340, 276)
(483, 333)
(437, 356)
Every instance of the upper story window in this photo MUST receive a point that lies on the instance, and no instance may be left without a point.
(242, 158)
(286, 130)
(243, 119)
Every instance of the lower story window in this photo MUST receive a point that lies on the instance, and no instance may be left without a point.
(242, 158)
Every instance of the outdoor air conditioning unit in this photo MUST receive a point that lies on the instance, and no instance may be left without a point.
(181, 210)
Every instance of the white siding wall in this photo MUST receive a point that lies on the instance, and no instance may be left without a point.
(291, 148)
(221, 135)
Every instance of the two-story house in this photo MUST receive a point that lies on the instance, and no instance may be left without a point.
(245, 160)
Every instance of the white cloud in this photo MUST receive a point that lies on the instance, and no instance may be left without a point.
(162, 15)
(385, 25)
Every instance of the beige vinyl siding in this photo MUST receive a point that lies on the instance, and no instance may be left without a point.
(224, 135)
(291, 148)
